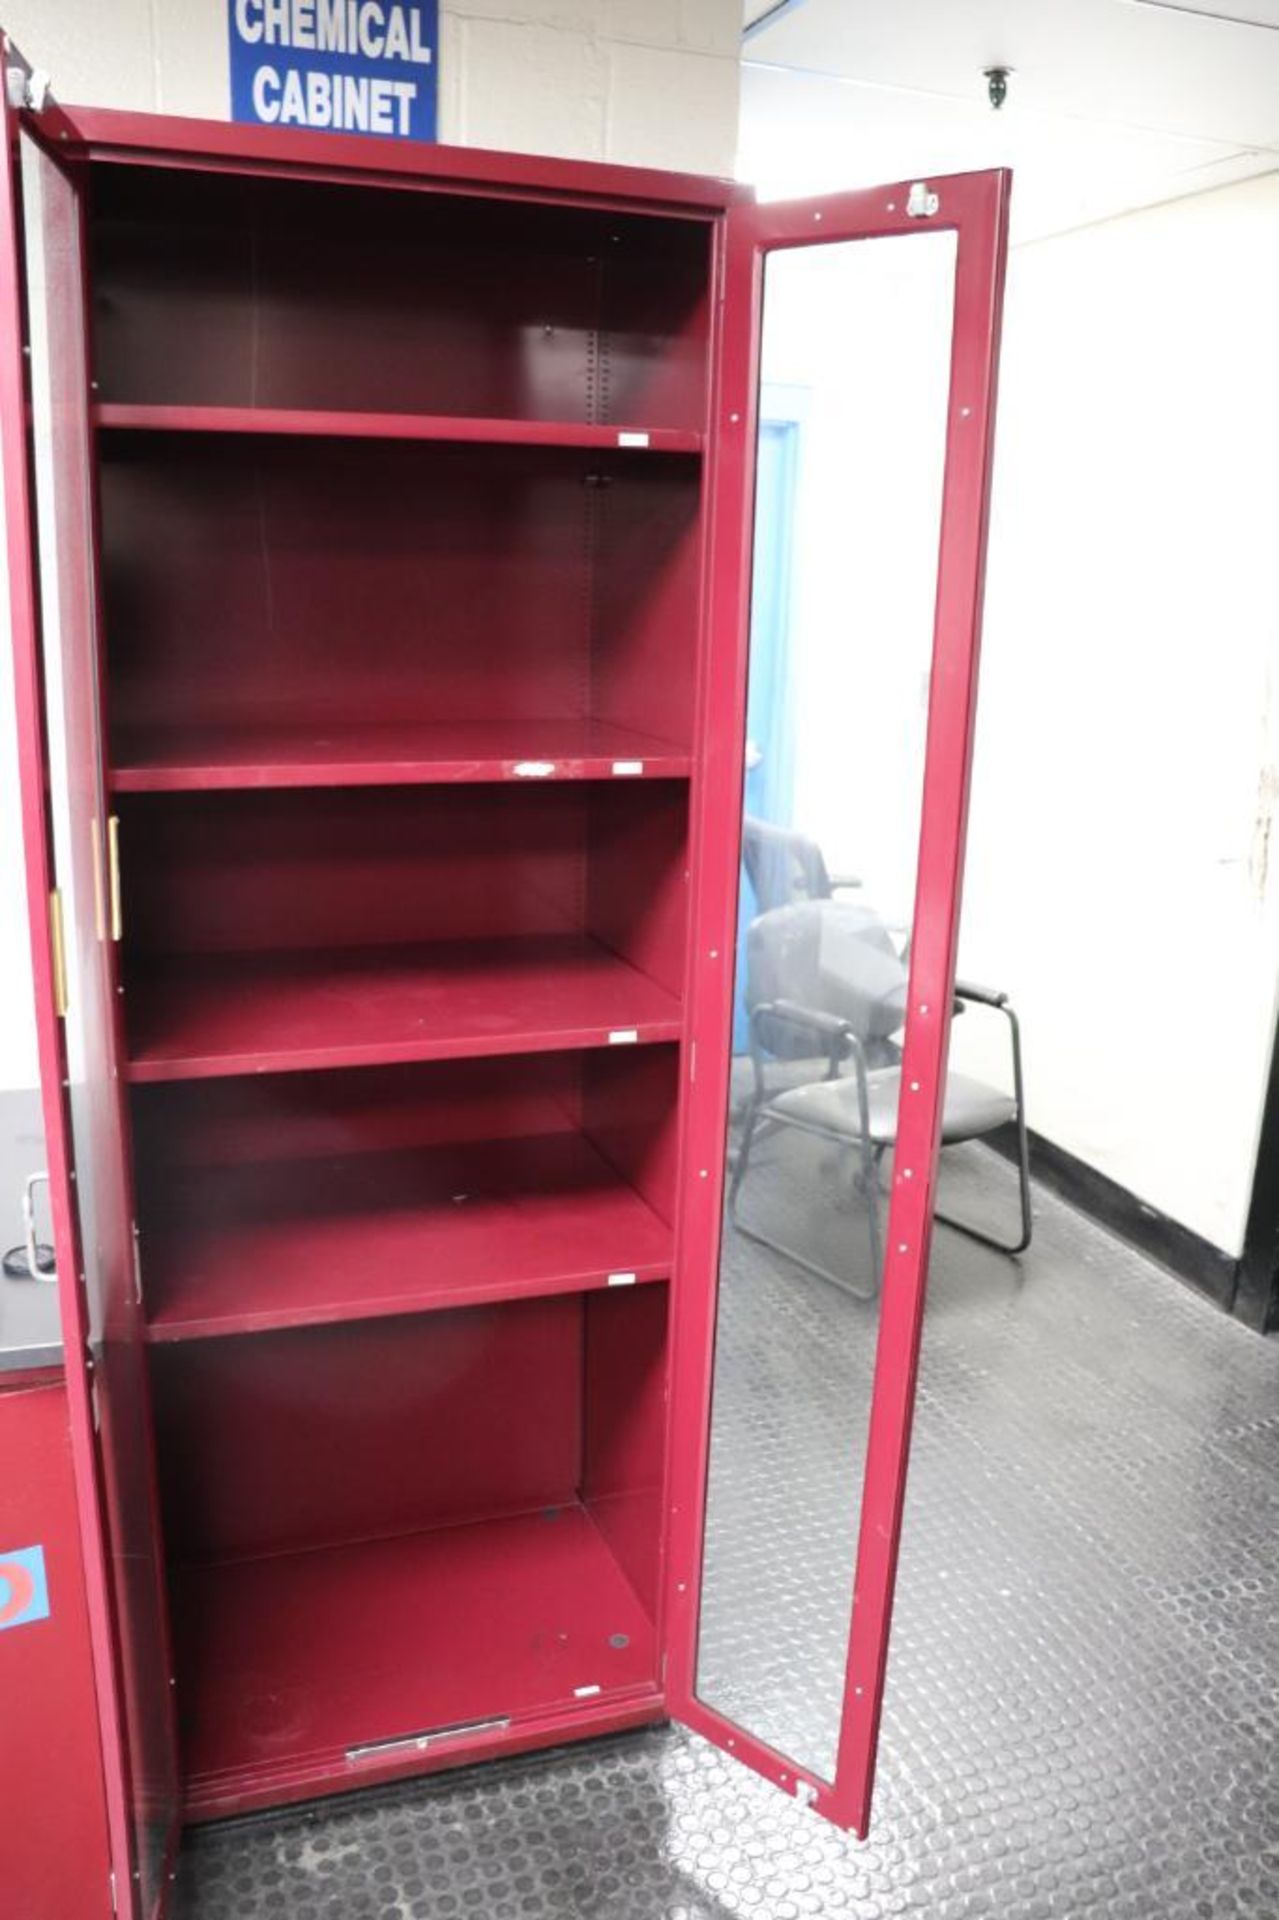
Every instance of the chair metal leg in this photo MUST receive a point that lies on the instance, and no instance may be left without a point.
(871, 1156)
(743, 1155)
(1023, 1162)
(810, 1266)
(869, 1159)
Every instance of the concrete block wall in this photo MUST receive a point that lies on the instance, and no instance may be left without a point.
(644, 82)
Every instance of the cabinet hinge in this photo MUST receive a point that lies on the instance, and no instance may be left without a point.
(137, 1265)
(58, 955)
(115, 1905)
(32, 90)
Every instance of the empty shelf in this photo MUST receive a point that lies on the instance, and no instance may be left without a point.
(170, 760)
(307, 1671)
(239, 1249)
(393, 426)
(278, 1012)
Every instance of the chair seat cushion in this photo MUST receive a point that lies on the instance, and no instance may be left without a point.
(972, 1107)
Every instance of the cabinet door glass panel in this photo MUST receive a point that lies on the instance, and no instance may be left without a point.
(62, 463)
(856, 352)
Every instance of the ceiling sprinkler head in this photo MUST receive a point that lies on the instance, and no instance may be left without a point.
(997, 85)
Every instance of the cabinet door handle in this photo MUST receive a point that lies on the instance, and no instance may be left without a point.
(37, 1272)
(58, 955)
(113, 875)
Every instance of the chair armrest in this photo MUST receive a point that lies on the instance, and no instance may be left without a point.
(829, 1025)
(985, 996)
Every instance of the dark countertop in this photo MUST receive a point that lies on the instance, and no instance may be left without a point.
(30, 1329)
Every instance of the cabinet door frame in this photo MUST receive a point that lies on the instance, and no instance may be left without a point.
(53, 973)
(975, 207)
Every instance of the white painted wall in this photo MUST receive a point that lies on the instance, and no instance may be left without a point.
(19, 1066)
(1123, 877)
(641, 82)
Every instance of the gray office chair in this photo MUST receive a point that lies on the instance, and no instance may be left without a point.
(784, 866)
(824, 981)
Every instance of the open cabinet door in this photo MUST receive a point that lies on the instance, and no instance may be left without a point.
(51, 545)
(805, 1237)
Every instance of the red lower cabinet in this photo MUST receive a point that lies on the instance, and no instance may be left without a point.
(54, 1862)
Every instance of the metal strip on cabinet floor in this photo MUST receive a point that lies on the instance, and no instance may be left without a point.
(1082, 1714)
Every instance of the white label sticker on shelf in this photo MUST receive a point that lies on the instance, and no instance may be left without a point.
(622, 767)
(623, 1037)
(632, 439)
(621, 1279)
(534, 769)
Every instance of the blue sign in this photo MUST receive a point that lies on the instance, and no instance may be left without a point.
(24, 1588)
(343, 66)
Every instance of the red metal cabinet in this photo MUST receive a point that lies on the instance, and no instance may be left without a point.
(379, 526)
(55, 1863)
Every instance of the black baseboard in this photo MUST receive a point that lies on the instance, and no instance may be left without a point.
(1185, 1253)
(1257, 1295)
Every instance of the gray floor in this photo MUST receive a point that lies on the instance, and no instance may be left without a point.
(1082, 1715)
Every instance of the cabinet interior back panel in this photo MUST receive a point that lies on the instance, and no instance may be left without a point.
(243, 291)
(388, 866)
(279, 583)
